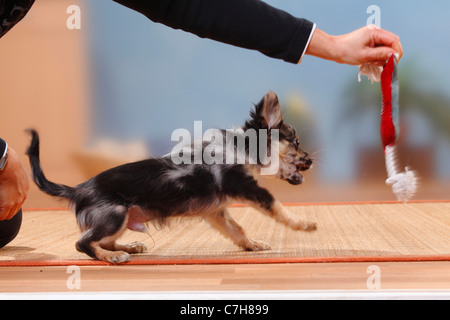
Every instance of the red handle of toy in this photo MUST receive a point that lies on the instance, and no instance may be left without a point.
(389, 113)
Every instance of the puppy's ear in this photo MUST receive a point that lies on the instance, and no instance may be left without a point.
(271, 111)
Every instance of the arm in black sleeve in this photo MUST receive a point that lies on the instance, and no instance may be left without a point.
(250, 24)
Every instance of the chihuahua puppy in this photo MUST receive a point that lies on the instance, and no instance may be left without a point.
(156, 189)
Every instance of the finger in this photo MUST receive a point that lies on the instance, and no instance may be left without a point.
(4, 215)
(6, 211)
(10, 214)
(386, 38)
(379, 55)
(399, 49)
(15, 210)
(17, 206)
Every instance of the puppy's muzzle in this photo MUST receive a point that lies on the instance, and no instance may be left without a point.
(304, 164)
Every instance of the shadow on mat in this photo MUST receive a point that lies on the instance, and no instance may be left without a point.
(23, 253)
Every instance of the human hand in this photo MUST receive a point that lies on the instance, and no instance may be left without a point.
(367, 44)
(14, 186)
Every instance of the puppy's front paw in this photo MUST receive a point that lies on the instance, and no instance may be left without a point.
(254, 245)
(304, 226)
(310, 226)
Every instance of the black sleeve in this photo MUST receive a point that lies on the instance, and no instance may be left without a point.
(10, 228)
(11, 12)
(2, 147)
(250, 24)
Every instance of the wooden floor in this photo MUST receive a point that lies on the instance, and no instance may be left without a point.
(273, 279)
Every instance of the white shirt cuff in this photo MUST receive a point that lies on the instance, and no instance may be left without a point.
(307, 43)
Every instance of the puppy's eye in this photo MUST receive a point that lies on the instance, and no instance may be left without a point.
(297, 142)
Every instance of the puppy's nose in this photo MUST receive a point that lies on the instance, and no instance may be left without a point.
(308, 161)
(304, 164)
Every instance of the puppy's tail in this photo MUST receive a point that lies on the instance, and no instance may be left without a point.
(53, 189)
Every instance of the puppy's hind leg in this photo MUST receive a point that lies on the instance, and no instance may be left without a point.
(228, 227)
(103, 225)
(135, 247)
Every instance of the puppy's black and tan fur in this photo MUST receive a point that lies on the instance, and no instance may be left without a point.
(156, 189)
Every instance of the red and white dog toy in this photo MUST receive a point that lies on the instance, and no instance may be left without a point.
(404, 184)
